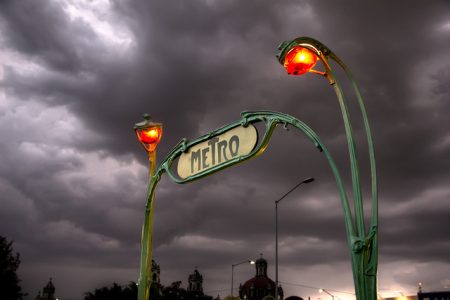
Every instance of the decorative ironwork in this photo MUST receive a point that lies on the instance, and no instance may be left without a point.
(271, 120)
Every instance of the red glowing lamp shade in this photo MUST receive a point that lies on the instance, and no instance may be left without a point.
(149, 137)
(299, 60)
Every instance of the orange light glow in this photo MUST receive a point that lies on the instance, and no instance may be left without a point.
(150, 136)
(299, 60)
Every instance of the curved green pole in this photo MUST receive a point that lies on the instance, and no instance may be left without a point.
(271, 120)
(371, 259)
(144, 281)
(147, 229)
(373, 233)
(365, 255)
(358, 260)
(373, 169)
(367, 258)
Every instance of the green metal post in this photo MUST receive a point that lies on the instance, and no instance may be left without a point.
(147, 234)
(271, 120)
(149, 134)
(363, 246)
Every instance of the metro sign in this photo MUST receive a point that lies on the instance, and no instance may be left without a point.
(217, 150)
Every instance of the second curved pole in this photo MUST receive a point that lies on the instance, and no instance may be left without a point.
(365, 245)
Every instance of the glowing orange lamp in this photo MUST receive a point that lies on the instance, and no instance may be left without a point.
(148, 133)
(299, 60)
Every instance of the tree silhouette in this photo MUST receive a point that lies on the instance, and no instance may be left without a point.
(172, 292)
(116, 292)
(9, 263)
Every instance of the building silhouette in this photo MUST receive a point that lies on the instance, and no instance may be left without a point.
(294, 298)
(175, 291)
(195, 287)
(156, 286)
(260, 286)
(444, 295)
(195, 283)
(48, 292)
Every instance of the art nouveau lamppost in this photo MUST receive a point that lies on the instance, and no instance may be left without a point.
(149, 134)
(298, 57)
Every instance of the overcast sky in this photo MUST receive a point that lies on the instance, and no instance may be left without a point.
(76, 75)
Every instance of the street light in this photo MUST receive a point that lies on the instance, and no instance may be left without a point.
(149, 134)
(232, 272)
(299, 61)
(299, 56)
(307, 180)
(325, 291)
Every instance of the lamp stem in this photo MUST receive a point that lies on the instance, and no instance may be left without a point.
(147, 234)
(152, 164)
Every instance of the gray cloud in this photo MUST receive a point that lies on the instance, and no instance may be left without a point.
(76, 75)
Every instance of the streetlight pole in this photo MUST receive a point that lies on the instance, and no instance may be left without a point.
(232, 272)
(307, 180)
(149, 135)
(299, 56)
(325, 291)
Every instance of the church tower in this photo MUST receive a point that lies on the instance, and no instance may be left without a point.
(196, 282)
(156, 287)
(260, 287)
(261, 267)
(48, 292)
(156, 273)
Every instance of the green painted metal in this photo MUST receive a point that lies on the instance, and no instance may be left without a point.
(271, 120)
(363, 246)
(144, 281)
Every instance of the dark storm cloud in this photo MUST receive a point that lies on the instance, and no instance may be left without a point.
(69, 171)
(42, 30)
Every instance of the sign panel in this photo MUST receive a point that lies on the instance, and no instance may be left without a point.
(216, 151)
